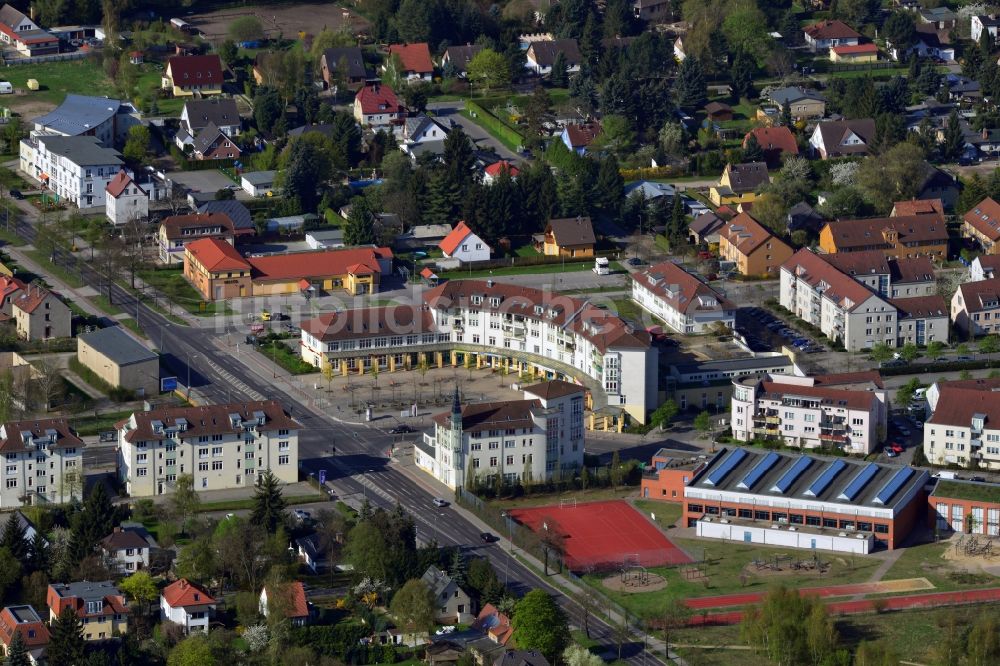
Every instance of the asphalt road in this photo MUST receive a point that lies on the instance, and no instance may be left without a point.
(479, 136)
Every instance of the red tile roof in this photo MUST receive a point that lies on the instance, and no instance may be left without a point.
(918, 207)
(10, 285)
(583, 134)
(985, 218)
(215, 255)
(494, 623)
(920, 307)
(12, 433)
(834, 396)
(455, 238)
(319, 264)
(494, 169)
(840, 288)
(75, 595)
(982, 295)
(555, 388)
(852, 49)
(778, 139)
(183, 593)
(843, 378)
(175, 224)
(680, 290)
(746, 234)
(484, 416)
(415, 57)
(119, 183)
(31, 298)
(207, 420)
(831, 30)
(378, 98)
(25, 621)
(956, 406)
(296, 604)
(197, 70)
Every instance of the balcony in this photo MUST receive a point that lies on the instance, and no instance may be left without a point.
(829, 437)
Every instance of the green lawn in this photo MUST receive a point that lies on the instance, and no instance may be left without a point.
(41, 258)
(171, 283)
(57, 79)
(286, 358)
(508, 144)
(545, 499)
(241, 504)
(626, 307)
(92, 425)
(527, 251)
(667, 513)
(968, 491)
(518, 270)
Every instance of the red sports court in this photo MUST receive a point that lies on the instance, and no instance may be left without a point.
(604, 535)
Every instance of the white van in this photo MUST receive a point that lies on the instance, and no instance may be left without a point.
(602, 266)
(6, 88)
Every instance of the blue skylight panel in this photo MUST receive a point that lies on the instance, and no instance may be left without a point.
(726, 466)
(792, 475)
(857, 484)
(826, 478)
(759, 470)
(897, 481)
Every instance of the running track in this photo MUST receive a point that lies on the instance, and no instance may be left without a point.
(729, 600)
(929, 600)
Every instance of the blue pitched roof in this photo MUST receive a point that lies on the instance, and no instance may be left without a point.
(79, 114)
(236, 211)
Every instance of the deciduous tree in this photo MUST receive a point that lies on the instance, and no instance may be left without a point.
(184, 501)
(246, 28)
(413, 606)
(489, 69)
(540, 624)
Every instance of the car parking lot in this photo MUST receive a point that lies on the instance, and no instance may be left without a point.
(764, 331)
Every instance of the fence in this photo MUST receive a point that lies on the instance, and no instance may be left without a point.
(517, 534)
(55, 57)
(494, 125)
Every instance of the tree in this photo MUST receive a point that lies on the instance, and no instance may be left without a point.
(537, 111)
(10, 571)
(790, 629)
(192, 651)
(268, 503)
(954, 138)
(541, 625)
(576, 655)
(246, 28)
(489, 69)
(664, 414)
(413, 607)
(875, 653)
(309, 166)
(360, 228)
(770, 210)
(17, 652)
(267, 109)
(752, 152)
(140, 587)
(457, 569)
(229, 52)
(184, 501)
(608, 189)
(137, 144)
(880, 352)
(909, 352)
(672, 139)
(14, 538)
(690, 87)
(983, 643)
(900, 30)
(703, 423)
(66, 642)
(889, 177)
(935, 348)
(989, 345)
(559, 76)
(673, 616)
(742, 75)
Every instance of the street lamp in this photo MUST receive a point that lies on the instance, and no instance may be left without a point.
(190, 356)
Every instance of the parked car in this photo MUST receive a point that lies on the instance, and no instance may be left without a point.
(439, 502)
(889, 452)
(401, 429)
(486, 537)
(905, 432)
(16, 194)
(963, 358)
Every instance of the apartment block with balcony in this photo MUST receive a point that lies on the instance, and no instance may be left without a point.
(680, 299)
(43, 462)
(77, 169)
(222, 446)
(798, 412)
(520, 440)
(964, 427)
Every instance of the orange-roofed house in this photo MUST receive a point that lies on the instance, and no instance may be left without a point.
(853, 54)
(289, 599)
(917, 207)
(822, 36)
(754, 249)
(187, 604)
(463, 244)
(376, 105)
(41, 315)
(100, 606)
(34, 632)
(493, 171)
(494, 624)
(217, 270)
(10, 288)
(190, 74)
(773, 141)
(125, 200)
(414, 61)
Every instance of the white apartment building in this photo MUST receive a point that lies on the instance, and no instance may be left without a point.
(975, 307)
(684, 302)
(479, 323)
(965, 425)
(537, 438)
(222, 446)
(43, 462)
(76, 168)
(800, 413)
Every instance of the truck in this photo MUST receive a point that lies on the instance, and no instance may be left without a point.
(602, 266)
(945, 475)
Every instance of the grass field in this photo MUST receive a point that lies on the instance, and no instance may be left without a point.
(667, 513)
(927, 561)
(590, 495)
(92, 425)
(41, 258)
(519, 270)
(57, 79)
(171, 283)
(291, 362)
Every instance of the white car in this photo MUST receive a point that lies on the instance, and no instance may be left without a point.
(439, 502)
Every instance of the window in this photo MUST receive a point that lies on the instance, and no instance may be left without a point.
(282, 460)
(216, 451)
(141, 471)
(282, 446)
(216, 465)
(12, 483)
(202, 453)
(203, 467)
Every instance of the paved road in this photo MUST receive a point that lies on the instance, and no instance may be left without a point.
(479, 136)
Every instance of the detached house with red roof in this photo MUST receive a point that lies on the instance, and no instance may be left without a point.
(464, 245)
(822, 36)
(982, 224)
(684, 302)
(23, 34)
(413, 59)
(774, 141)
(100, 606)
(187, 604)
(376, 106)
(288, 599)
(176, 231)
(854, 54)
(187, 75)
(125, 200)
(493, 171)
(34, 632)
(41, 315)
(579, 136)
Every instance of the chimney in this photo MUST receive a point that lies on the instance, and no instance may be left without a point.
(118, 530)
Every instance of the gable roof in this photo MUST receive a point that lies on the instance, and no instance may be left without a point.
(544, 52)
(174, 225)
(436, 580)
(14, 433)
(415, 57)
(10, 285)
(207, 137)
(78, 595)
(195, 70)
(835, 132)
(79, 114)
(455, 238)
(917, 207)
(346, 325)
(778, 139)
(791, 94)
(990, 263)
(985, 218)
(212, 419)
(81, 150)
(713, 108)
(554, 388)
(32, 297)
(840, 288)
(521, 658)
(868, 232)
(120, 183)
(319, 263)
(572, 231)
(493, 170)
(831, 30)
(122, 538)
(747, 234)
(296, 604)
(459, 56)
(912, 269)
(920, 307)
(706, 224)
(956, 406)
(183, 593)
(582, 134)
(235, 210)
(851, 49)
(118, 346)
(496, 625)
(982, 295)
(682, 291)
(216, 255)
(377, 98)
(220, 111)
(747, 177)
(351, 56)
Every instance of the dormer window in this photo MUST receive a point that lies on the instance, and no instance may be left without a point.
(93, 607)
(477, 300)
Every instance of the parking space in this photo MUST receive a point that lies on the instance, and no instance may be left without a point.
(208, 180)
(764, 331)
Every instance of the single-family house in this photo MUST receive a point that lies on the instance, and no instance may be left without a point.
(804, 216)
(41, 315)
(452, 604)
(34, 632)
(421, 134)
(684, 302)
(496, 625)
(754, 249)
(100, 606)
(464, 245)
(801, 103)
(187, 604)
(541, 56)
(176, 231)
(774, 141)
(343, 66)
(22, 33)
(457, 58)
(819, 37)
(125, 200)
(187, 75)
(650, 190)
(941, 18)
(854, 54)
(930, 42)
(211, 143)
(492, 171)
(839, 138)
(198, 114)
(311, 552)
(126, 550)
(739, 183)
(421, 237)
(578, 136)
(376, 106)
(414, 60)
(289, 599)
(258, 183)
(718, 112)
(654, 11)
(939, 184)
(569, 237)
(978, 24)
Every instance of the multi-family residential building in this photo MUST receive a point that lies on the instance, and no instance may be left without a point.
(684, 302)
(887, 276)
(76, 168)
(498, 325)
(900, 237)
(126, 550)
(125, 200)
(975, 307)
(40, 314)
(799, 413)
(464, 245)
(108, 120)
(538, 438)
(704, 384)
(34, 632)
(43, 462)
(982, 224)
(176, 231)
(964, 427)
(222, 446)
(754, 249)
(188, 604)
(100, 606)
(187, 75)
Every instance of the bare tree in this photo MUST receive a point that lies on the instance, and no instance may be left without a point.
(47, 382)
(109, 262)
(553, 540)
(589, 605)
(132, 253)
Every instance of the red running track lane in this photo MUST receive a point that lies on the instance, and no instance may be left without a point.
(929, 600)
(603, 533)
(729, 600)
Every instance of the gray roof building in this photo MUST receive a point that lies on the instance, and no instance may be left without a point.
(782, 96)
(237, 212)
(118, 346)
(732, 367)
(221, 112)
(521, 658)
(80, 114)
(81, 150)
(650, 189)
(349, 55)
(259, 178)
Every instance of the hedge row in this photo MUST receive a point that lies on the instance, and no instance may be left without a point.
(938, 366)
(494, 124)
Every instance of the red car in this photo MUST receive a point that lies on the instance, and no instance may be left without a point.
(705, 255)
(896, 447)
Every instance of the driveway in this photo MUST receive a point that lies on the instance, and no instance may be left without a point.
(208, 180)
(479, 136)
